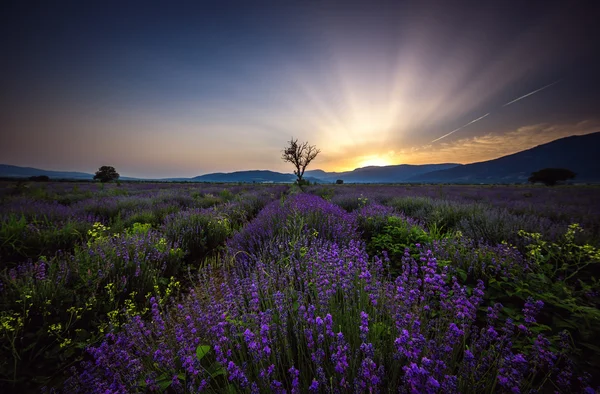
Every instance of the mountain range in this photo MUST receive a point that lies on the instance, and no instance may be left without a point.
(10, 171)
(580, 154)
(257, 176)
(383, 174)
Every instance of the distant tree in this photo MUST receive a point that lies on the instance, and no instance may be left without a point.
(339, 182)
(39, 178)
(550, 176)
(300, 155)
(106, 174)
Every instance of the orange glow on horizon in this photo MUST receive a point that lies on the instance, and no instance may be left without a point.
(374, 160)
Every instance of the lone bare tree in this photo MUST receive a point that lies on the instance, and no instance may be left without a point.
(300, 154)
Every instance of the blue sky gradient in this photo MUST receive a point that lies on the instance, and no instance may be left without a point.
(161, 89)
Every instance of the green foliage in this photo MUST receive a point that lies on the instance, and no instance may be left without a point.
(371, 226)
(564, 275)
(22, 238)
(207, 201)
(160, 211)
(243, 211)
(11, 236)
(397, 237)
(351, 203)
(437, 213)
(493, 226)
(146, 216)
(199, 234)
(139, 229)
(94, 284)
(325, 192)
(52, 309)
(118, 191)
(362, 201)
(226, 195)
(102, 211)
(295, 189)
(42, 322)
(416, 207)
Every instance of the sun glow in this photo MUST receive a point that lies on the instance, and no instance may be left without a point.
(374, 160)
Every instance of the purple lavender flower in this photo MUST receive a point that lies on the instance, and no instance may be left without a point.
(531, 309)
(364, 326)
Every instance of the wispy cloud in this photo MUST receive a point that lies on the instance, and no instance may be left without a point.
(494, 145)
(530, 93)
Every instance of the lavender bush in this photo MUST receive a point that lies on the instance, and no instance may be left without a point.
(368, 289)
(94, 253)
(325, 319)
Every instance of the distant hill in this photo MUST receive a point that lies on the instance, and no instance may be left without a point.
(580, 153)
(10, 171)
(258, 176)
(384, 174)
(25, 172)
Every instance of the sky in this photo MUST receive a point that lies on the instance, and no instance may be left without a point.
(180, 89)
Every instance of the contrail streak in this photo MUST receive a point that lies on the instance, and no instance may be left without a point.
(461, 127)
(529, 94)
(509, 103)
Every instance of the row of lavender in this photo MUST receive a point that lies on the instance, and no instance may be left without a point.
(298, 304)
(491, 213)
(71, 259)
(50, 217)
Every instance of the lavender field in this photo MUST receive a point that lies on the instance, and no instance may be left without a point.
(184, 288)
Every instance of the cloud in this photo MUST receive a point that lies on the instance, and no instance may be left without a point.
(493, 145)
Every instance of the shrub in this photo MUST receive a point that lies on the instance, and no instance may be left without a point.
(284, 226)
(21, 238)
(372, 219)
(39, 178)
(398, 237)
(328, 318)
(199, 232)
(53, 308)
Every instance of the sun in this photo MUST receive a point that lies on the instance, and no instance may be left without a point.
(374, 160)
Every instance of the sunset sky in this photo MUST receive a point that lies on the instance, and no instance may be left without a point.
(165, 89)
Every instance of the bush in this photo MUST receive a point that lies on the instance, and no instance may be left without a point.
(327, 318)
(21, 238)
(53, 308)
(372, 219)
(398, 237)
(39, 178)
(199, 232)
(285, 227)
